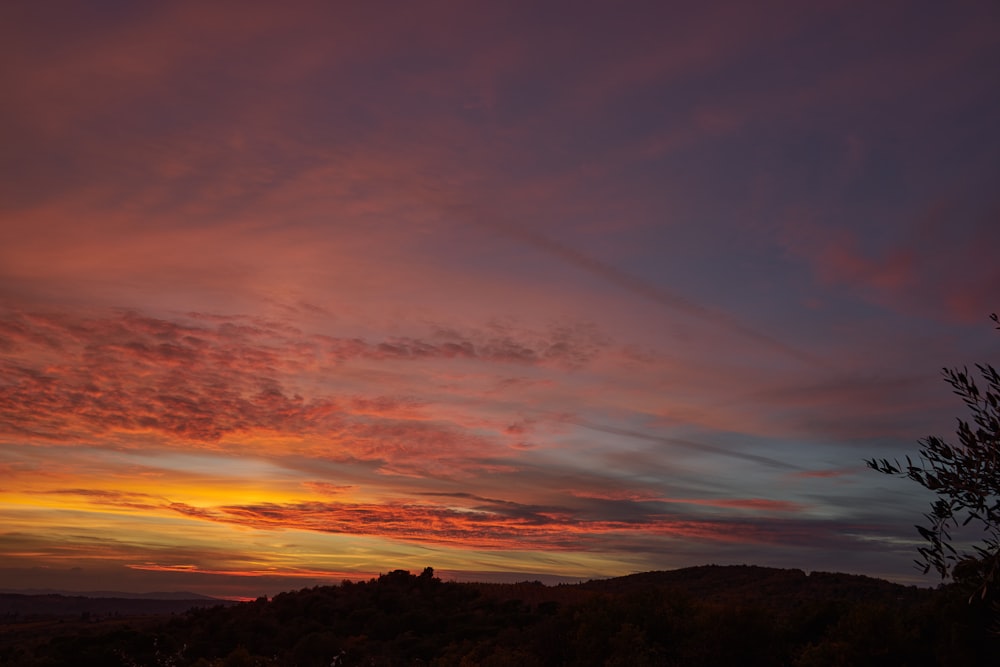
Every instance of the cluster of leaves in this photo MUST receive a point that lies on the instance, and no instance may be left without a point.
(966, 479)
(771, 617)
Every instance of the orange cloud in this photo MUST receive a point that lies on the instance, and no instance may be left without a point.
(327, 489)
(470, 522)
(270, 572)
(492, 527)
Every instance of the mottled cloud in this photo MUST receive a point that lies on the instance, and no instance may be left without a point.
(71, 377)
(203, 378)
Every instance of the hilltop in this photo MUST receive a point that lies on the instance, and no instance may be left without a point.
(768, 585)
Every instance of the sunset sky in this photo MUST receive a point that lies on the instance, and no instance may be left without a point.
(293, 292)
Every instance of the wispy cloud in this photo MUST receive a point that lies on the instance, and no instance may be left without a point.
(658, 294)
(687, 444)
(505, 525)
(201, 379)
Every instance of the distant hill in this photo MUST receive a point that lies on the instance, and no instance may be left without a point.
(59, 605)
(166, 595)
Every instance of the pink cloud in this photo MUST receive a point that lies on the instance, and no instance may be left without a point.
(204, 381)
(931, 268)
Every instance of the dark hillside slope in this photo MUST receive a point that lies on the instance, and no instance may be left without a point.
(697, 616)
(733, 584)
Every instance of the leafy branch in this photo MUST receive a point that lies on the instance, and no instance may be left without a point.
(966, 479)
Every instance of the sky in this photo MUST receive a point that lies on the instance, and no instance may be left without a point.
(515, 290)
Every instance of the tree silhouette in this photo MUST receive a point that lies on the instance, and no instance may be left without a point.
(966, 479)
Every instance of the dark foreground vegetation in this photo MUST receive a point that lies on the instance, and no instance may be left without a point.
(698, 616)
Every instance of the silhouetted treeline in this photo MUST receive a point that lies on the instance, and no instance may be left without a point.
(698, 616)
